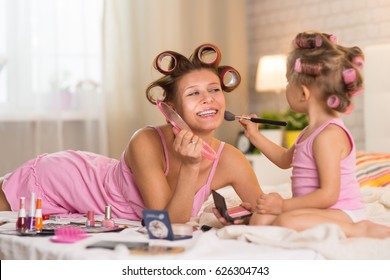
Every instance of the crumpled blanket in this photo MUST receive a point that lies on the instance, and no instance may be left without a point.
(326, 239)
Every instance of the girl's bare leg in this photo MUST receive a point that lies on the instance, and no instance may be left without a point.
(4, 205)
(307, 218)
(262, 220)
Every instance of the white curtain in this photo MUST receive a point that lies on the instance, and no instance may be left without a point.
(50, 78)
(136, 31)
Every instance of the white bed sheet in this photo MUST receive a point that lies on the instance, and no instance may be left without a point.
(231, 242)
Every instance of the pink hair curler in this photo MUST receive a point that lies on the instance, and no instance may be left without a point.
(349, 109)
(298, 65)
(349, 75)
(333, 101)
(318, 41)
(356, 92)
(358, 61)
(333, 38)
(176, 121)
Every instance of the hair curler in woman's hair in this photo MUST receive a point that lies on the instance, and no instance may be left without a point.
(230, 78)
(208, 54)
(166, 62)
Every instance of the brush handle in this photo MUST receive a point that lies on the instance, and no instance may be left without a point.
(272, 122)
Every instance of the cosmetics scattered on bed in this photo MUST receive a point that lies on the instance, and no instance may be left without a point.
(90, 219)
(38, 215)
(158, 226)
(69, 234)
(21, 223)
(108, 221)
(31, 214)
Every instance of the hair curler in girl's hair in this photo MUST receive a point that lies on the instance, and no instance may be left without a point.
(349, 76)
(230, 78)
(333, 38)
(357, 92)
(358, 61)
(298, 65)
(349, 109)
(308, 41)
(333, 101)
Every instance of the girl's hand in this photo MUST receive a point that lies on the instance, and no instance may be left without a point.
(188, 146)
(250, 127)
(271, 203)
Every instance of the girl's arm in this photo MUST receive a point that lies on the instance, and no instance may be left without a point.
(280, 156)
(145, 156)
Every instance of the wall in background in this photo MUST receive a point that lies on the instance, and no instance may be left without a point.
(272, 24)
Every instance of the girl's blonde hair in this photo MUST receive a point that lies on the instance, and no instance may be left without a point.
(317, 59)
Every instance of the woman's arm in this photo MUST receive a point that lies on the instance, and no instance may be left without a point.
(235, 170)
(145, 156)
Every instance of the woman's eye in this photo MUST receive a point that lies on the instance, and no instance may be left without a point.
(193, 93)
(215, 89)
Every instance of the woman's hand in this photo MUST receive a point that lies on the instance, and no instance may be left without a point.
(271, 203)
(188, 146)
(223, 221)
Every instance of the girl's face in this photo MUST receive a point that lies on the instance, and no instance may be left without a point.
(294, 95)
(200, 100)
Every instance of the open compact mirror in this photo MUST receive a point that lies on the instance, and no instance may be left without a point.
(176, 121)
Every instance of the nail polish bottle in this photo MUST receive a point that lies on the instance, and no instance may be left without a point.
(38, 215)
(31, 213)
(21, 223)
(108, 222)
(90, 219)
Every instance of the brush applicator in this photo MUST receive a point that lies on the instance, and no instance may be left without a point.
(231, 117)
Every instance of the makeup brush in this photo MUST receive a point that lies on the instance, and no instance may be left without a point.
(231, 117)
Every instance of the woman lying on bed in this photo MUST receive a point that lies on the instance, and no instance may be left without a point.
(322, 79)
(161, 167)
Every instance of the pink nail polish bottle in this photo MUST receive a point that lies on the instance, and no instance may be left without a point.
(90, 219)
(108, 222)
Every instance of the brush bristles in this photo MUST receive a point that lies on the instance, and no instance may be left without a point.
(229, 116)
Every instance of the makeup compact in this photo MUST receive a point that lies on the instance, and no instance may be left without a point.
(158, 226)
(232, 213)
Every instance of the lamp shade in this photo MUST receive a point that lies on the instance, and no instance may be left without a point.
(271, 73)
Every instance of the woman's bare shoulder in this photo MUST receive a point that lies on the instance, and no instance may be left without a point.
(143, 140)
(233, 158)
